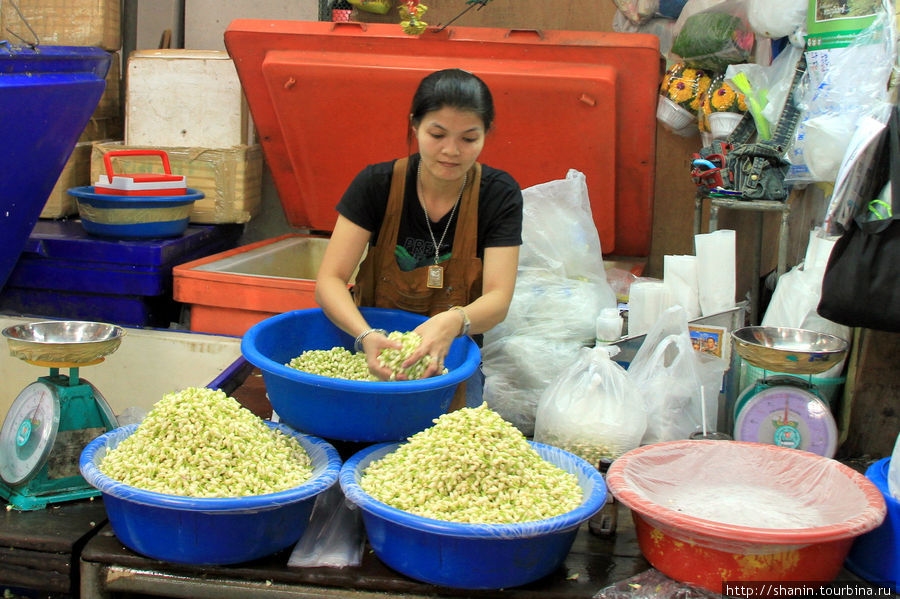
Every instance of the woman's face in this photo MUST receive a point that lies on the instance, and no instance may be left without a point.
(450, 141)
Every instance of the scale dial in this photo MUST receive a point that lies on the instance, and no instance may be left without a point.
(787, 416)
(28, 432)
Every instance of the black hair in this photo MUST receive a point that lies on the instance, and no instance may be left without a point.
(452, 88)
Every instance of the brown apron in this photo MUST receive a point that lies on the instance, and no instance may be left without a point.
(380, 283)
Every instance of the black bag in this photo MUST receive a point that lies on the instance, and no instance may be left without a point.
(861, 286)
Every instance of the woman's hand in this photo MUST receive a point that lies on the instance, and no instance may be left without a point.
(438, 333)
(373, 344)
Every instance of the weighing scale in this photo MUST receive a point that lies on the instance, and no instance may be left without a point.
(52, 419)
(782, 408)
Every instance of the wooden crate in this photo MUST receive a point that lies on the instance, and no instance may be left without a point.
(230, 178)
(77, 172)
(184, 98)
(65, 22)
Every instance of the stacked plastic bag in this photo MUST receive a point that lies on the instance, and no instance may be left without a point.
(561, 288)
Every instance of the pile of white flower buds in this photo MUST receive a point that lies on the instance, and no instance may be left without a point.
(336, 363)
(341, 363)
(472, 467)
(201, 443)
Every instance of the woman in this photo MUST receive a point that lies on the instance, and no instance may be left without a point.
(443, 230)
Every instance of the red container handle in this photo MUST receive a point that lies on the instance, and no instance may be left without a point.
(107, 159)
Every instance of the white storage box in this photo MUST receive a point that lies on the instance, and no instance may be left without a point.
(184, 98)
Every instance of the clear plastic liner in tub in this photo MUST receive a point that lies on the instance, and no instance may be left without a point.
(875, 556)
(207, 531)
(346, 410)
(746, 511)
(472, 556)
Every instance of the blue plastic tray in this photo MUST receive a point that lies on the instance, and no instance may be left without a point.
(47, 96)
(61, 255)
(66, 273)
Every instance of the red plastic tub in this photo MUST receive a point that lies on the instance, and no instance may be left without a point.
(711, 512)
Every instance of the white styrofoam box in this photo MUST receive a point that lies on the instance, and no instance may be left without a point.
(184, 98)
(205, 20)
(148, 364)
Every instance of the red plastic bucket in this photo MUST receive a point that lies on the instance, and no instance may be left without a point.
(702, 543)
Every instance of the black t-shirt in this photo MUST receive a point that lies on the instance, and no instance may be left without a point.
(499, 213)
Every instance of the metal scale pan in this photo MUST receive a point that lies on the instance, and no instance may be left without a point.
(785, 409)
(52, 419)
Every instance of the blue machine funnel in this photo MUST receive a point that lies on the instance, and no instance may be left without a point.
(47, 97)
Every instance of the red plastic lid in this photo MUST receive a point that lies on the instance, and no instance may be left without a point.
(329, 98)
(140, 183)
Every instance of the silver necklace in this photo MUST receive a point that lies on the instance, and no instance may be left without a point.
(435, 275)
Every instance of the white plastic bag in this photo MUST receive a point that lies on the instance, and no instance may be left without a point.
(561, 288)
(548, 305)
(517, 369)
(776, 18)
(797, 294)
(592, 409)
(558, 231)
(839, 95)
(335, 536)
(638, 11)
(679, 385)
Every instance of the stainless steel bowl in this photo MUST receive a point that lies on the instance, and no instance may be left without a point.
(792, 351)
(72, 342)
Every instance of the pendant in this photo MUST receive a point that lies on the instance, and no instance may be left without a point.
(435, 277)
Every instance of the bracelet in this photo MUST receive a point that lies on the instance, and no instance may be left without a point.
(467, 324)
(357, 344)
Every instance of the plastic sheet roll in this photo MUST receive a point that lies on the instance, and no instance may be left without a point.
(647, 299)
(716, 270)
(680, 277)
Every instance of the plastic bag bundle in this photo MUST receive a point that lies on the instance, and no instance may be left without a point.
(653, 584)
(776, 18)
(679, 385)
(591, 409)
(558, 231)
(715, 38)
(561, 288)
(839, 95)
(638, 11)
(517, 369)
(554, 307)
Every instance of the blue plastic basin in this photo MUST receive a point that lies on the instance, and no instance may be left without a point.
(472, 556)
(191, 530)
(134, 217)
(47, 96)
(347, 410)
(875, 556)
